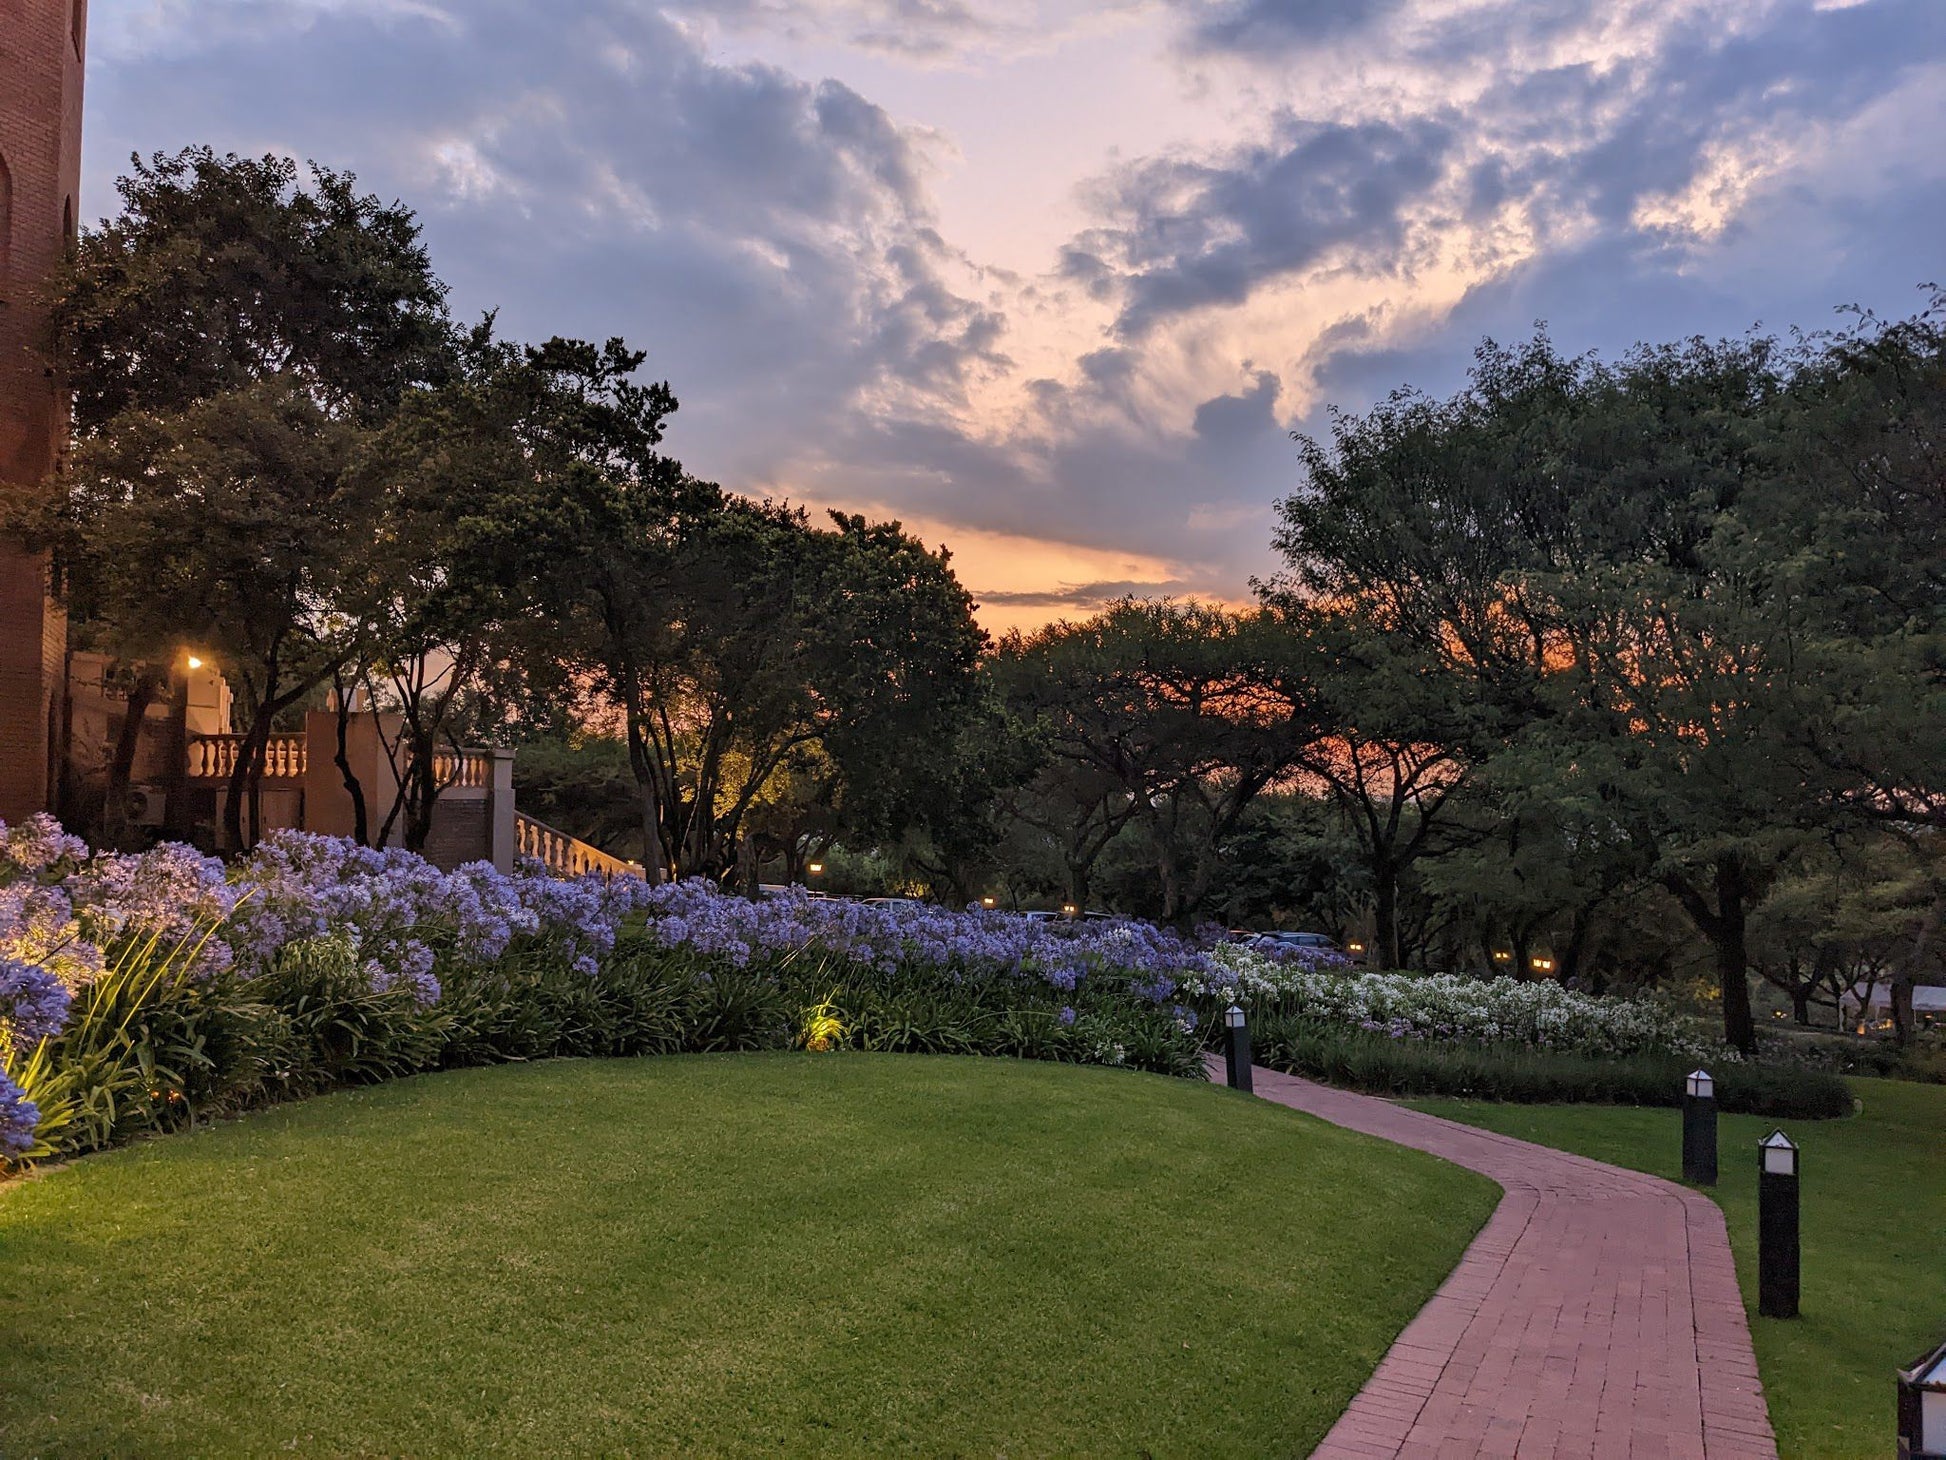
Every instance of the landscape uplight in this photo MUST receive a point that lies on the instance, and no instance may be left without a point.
(1068, 909)
(1501, 955)
(989, 902)
(815, 868)
(1541, 965)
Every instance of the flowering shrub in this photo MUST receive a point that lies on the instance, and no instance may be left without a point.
(695, 918)
(1453, 1009)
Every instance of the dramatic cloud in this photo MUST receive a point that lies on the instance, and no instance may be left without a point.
(1053, 280)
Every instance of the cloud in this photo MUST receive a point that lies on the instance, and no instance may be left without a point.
(1082, 595)
(1187, 234)
(1273, 26)
(1357, 193)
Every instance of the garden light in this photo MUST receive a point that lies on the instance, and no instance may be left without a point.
(1541, 965)
(1777, 1226)
(1236, 1052)
(194, 662)
(815, 868)
(989, 902)
(1922, 1408)
(1068, 909)
(1699, 1129)
(1500, 955)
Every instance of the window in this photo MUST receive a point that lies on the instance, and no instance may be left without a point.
(78, 24)
(67, 222)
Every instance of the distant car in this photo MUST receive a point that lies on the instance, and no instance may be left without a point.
(894, 902)
(1042, 915)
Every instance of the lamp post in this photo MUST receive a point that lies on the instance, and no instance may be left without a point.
(1699, 1129)
(1237, 1053)
(1777, 1226)
(1922, 1408)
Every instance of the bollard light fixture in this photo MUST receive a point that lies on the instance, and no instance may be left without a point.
(1779, 1259)
(1699, 1129)
(1922, 1408)
(1236, 1050)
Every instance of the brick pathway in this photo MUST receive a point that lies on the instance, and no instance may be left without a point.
(1596, 1314)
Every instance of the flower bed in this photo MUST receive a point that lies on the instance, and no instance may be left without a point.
(1448, 1009)
(138, 990)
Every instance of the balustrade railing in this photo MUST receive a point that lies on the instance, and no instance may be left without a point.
(564, 855)
(468, 770)
(214, 757)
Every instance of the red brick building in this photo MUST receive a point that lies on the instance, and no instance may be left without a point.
(42, 44)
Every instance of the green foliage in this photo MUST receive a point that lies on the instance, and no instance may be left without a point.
(1379, 1065)
(149, 1048)
(148, 1044)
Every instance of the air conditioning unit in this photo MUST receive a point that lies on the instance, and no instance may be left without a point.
(147, 805)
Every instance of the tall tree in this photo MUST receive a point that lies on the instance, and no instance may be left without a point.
(231, 338)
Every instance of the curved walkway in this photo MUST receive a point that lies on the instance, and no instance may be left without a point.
(1596, 1314)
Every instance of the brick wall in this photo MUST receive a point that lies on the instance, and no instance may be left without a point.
(41, 46)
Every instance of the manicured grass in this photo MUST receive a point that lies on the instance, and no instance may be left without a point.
(1874, 1276)
(777, 1253)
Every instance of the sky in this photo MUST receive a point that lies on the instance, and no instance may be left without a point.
(1052, 283)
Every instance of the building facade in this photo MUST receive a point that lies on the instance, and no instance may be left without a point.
(43, 44)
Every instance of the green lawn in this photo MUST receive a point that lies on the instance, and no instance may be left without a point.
(1874, 1275)
(778, 1253)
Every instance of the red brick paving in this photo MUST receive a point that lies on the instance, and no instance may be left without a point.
(1595, 1315)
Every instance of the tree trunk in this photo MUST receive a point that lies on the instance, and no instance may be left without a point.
(1801, 1005)
(245, 776)
(1903, 1020)
(114, 811)
(1078, 884)
(1569, 966)
(1724, 927)
(1385, 915)
(361, 827)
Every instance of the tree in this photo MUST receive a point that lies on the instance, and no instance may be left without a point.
(231, 339)
(1176, 715)
(1570, 536)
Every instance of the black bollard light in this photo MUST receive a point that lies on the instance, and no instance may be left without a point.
(1237, 1053)
(1777, 1226)
(1699, 1129)
(1922, 1408)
